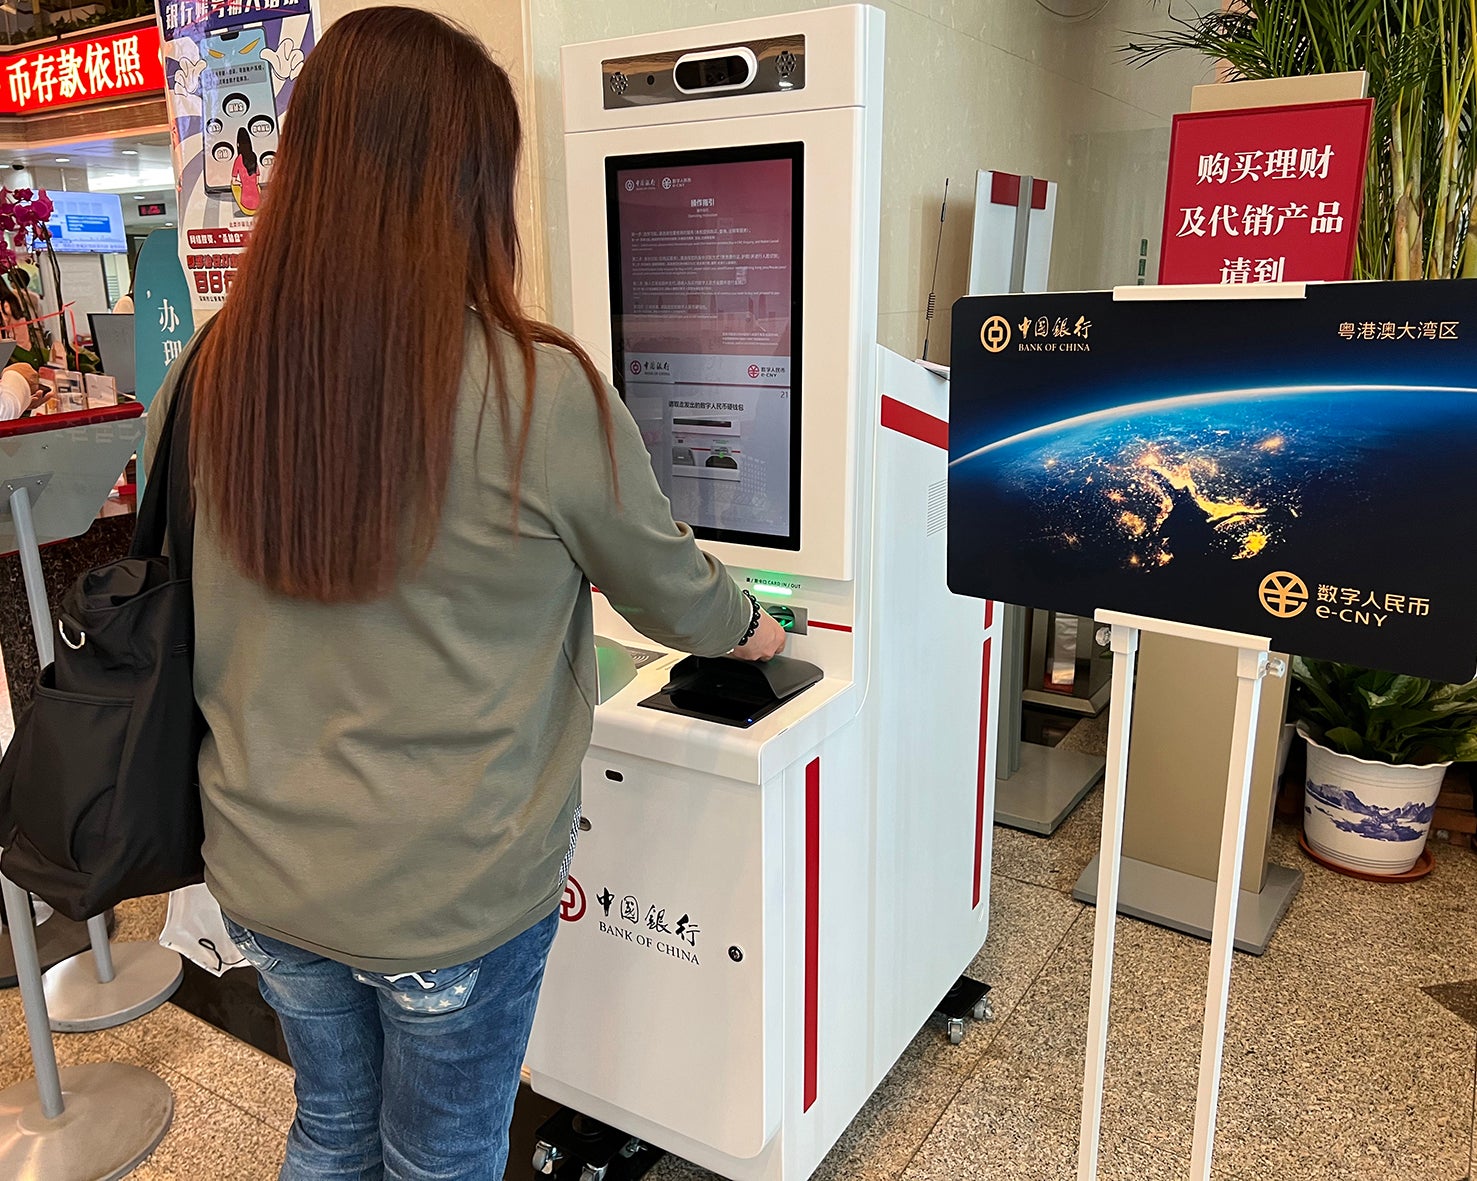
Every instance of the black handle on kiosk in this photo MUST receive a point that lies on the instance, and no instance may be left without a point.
(732, 692)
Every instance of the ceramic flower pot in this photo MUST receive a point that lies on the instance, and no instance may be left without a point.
(1372, 817)
(1284, 747)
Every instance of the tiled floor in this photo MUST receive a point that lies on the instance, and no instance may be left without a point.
(1342, 1062)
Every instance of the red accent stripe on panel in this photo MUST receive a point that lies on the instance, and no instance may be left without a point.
(980, 819)
(910, 421)
(812, 927)
(830, 627)
(989, 613)
(56, 422)
(1005, 189)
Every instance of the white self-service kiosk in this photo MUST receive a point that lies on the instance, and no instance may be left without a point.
(775, 888)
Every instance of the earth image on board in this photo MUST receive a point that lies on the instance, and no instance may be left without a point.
(1210, 479)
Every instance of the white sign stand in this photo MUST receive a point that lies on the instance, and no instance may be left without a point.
(1253, 663)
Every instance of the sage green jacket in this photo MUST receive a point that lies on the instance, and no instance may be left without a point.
(395, 785)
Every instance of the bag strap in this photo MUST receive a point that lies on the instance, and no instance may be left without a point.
(180, 510)
(167, 511)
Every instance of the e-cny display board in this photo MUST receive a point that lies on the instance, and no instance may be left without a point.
(1295, 468)
(230, 68)
(1266, 194)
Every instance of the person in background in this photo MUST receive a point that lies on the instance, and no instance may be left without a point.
(13, 315)
(21, 391)
(244, 179)
(124, 306)
(30, 300)
(393, 625)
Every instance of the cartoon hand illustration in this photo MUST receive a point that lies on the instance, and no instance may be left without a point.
(186, 90)
(187, 77)
(183, 49)
(286, 59)
(188, 69)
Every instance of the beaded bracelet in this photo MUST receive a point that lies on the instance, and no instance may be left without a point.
(753, 620)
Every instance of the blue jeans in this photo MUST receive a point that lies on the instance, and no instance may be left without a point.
(407, 1077)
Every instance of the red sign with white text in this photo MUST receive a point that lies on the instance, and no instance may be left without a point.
(1266, 195)
(93, 69)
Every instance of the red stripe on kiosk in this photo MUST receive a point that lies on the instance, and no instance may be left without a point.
(812, 929)
(910, 421)
(980, 819)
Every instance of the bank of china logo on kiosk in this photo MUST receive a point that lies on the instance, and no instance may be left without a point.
(1296, 468)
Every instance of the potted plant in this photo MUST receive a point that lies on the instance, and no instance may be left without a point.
(1422, 178)
(1379, 744)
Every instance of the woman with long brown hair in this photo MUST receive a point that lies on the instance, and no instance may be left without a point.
(400, 508)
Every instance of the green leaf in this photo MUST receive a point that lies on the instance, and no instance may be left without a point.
(1464, 749)
(1401, 690)
(1346, 741)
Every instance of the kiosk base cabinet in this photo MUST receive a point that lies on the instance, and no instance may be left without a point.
(712, 886)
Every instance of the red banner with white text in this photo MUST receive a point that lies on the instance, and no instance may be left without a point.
(111, 66)
(1265, 195)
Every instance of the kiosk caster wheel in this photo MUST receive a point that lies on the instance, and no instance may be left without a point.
(546, 1158)
(965, 999)
(572, 1146)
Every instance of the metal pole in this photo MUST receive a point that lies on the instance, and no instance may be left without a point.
(30, 555)
(1022, 235)
(1125, 642)
(1013, 628)
(1252, 666)
(1012, 681)
(102, 950)
(17, 901)
(33, 998)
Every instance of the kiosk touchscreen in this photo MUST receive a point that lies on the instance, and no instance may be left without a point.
(781, 871)
(706, 286)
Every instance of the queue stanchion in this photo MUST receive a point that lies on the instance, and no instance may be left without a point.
(97, 1121)
(112, 984)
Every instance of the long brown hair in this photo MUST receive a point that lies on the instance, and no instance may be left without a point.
(323, 410)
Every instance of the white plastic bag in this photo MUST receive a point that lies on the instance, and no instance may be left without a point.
(194, 928)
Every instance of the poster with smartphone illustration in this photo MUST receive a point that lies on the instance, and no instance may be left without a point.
(230, 68)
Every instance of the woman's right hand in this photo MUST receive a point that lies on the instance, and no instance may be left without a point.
(767, 641)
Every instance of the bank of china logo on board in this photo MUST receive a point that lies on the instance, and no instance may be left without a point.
(1283, 594)
(995, 334)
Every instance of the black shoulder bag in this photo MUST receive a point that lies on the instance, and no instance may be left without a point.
(99, 792)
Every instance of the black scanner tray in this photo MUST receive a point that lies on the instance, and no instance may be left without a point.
(732, 692)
